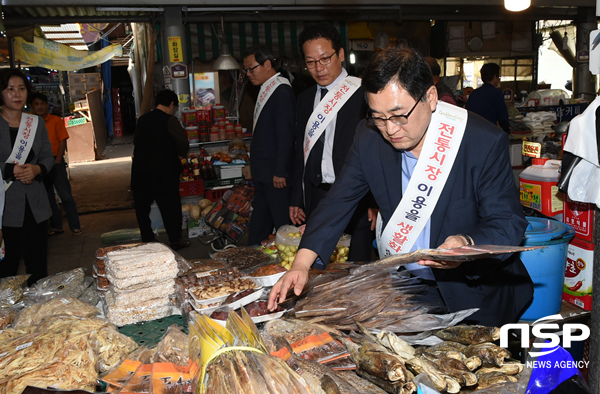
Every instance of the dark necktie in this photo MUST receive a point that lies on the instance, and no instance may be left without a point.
(323, 93)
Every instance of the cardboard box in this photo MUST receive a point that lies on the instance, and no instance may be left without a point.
(581, 216)
(579, 272)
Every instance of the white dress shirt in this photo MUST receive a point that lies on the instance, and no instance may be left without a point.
(327, 171)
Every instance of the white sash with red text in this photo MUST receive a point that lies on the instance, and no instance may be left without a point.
(442, 141)
(327, 110)
(23, 142)
(266, 91)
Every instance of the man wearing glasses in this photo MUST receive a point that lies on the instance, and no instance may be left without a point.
(272, 148)
(327, 116)
(441, 177)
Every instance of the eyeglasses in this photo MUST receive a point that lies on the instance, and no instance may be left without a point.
(399, 120)
(250, 70)
(324, 61)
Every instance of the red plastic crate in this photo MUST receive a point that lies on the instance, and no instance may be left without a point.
(214, 195)
(191, 188)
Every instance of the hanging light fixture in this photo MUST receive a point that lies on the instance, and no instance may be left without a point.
(565, 44)
(225, 61)
(517, 5)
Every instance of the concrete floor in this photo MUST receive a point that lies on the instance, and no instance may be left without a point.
(101, 190)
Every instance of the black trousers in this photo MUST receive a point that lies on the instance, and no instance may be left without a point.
(361, 245)
(29, 242)
(270, 209)
(165, 191)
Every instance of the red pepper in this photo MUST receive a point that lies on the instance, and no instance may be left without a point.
(576, 287)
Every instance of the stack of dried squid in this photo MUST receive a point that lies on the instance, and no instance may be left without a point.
(375, 299)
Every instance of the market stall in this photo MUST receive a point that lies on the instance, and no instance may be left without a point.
(152, 322)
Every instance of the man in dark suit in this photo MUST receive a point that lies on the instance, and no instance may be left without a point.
(159, 142)
(487, 101)
(478, 203)
(272, 147)
(323, 54)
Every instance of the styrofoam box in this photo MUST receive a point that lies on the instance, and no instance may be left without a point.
(229, 171)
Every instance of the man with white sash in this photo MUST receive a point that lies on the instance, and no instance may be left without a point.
(272, 145)
(441, 177)
(327, 116)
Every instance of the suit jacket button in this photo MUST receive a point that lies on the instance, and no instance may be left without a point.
(318, 176)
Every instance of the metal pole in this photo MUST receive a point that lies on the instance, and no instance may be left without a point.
(11, 52)
(584, 85)
(174, 29)
(594, 367)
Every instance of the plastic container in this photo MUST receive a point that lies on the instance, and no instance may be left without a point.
(189, 115)
(229, 131)
(192, 134)
(214, 133)
(239, 131)
(269, 280)
(246, 300)
(218, 111)
(222, 133)
(204, 134)
(203, 115)
(538, 190)
(546, 266)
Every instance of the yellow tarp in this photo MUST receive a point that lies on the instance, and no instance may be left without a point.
(55, 56)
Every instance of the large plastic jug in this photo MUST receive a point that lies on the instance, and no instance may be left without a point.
(537, 186)
(188, 115)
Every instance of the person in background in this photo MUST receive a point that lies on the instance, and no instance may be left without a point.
(444, 92)
(404, 154)
(57, 177)
(159, 141)
(321, 46)
(272, 145)
(488, 101)
(25, 158)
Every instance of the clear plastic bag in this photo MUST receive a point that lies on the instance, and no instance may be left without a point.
(126, 298)
(34, 314)
(64, 284)
(112, 347)
(174, 347)
(11, 290)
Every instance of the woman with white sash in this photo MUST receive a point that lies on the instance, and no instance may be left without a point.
(25, 157)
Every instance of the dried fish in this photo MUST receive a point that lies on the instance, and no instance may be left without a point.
(376, 360)
(362, 385)
(386, 385)
(319, 371)
(329, 386)
(491, 355)
(507, 369)
(397, 345)
(445, 346)
(492, 378)
(469, 335)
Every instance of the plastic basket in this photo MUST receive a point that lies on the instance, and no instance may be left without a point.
(223, 182)
(214, 195)
(191, 188)
(150, 333)
(77, 121)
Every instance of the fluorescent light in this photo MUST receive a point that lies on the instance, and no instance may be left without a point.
(65, 27)
(80, 41)
(352, 58)
(517, 5)
(80, 47)
(140, 9)
(63, 36)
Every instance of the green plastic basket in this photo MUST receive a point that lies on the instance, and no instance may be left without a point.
(150, 333)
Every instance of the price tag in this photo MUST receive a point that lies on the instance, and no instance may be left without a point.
(24, 346)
